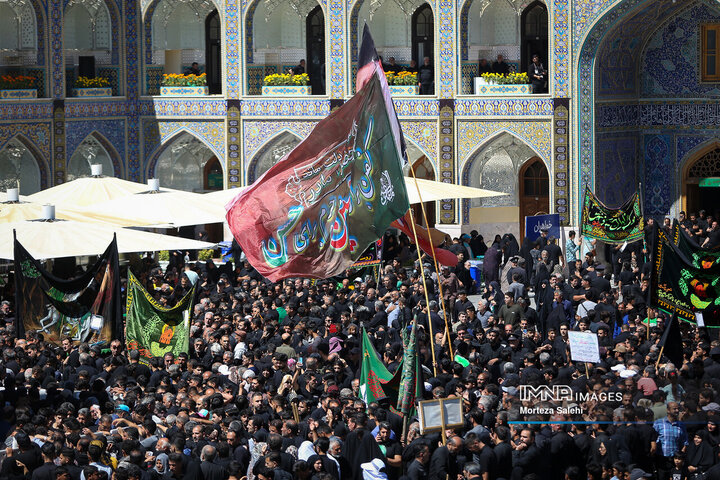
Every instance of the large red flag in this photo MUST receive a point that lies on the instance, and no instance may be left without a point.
(443, 256)
(317, 210)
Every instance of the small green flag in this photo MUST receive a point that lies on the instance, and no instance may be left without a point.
(153, 329)
(372, 372)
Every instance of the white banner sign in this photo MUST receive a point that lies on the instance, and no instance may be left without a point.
(584, 347)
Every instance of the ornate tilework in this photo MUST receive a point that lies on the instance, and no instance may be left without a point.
(424, 135)
(468, 72)
(659, 175)
(505, 107)
(257, 134)
(285, 108)
(58, 165)
(84, 108)
(153, 79)
(445, 15)
(180, 107)
(336, 19)
(26, 111)
(231, 42)
(616, 159)
(537, 134)
(112, 130)
(687, 145)
(561, 159)
(157, 133)
(234, 144)
(36, 134)
(561, 50)
(446, 172)
(56, 46)
(417, 107)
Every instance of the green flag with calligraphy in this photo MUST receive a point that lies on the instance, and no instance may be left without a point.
(684, 285)
(612, 225)
(152, 329)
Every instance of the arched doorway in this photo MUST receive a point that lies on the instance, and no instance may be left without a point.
(423, 170)
(534, 34)
(213, 175)
(534, 191)
(315, 44)
(213, 62)
(422, 34)
(698, 194)
(270, 154)
(18, 167)
(93, 150)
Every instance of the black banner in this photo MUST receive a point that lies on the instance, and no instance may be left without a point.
(86, 308)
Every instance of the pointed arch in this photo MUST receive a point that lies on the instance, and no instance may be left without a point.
(420, 153)
(200, 146)
(689, 180)
(113, 157)
(282, 142)
(248, 19)
(467, 161)
(497, 170)
(40, 162)
(109, 22)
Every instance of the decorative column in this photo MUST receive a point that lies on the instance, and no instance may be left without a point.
(560, 11)
(233, 143)
(336, 54)
(57, 91)
(561, 158)
(445, 13)
(58, 154)
(132, 85)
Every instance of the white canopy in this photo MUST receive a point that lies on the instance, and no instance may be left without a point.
(67, 238)
(431, 191)
(164, 207)
(87, 191)
(21, 211)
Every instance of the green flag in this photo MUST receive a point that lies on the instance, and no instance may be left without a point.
(411, 382)
(612, 225)
(153, 329)
(372, 373)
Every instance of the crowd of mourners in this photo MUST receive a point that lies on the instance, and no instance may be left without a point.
(270, 387)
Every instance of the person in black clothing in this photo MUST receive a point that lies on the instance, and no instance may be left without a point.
(299, 69)
(426, 78)
(538, 74)
(500, 66)
(484, 67)
(417, 470)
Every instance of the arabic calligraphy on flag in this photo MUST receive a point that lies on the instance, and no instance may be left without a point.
(612, 225)
(317, 210)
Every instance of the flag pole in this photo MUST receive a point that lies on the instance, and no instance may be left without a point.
(659, 357)
(427, 299)
(432, 250)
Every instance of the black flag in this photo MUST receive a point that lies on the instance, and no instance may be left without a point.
(671, 342)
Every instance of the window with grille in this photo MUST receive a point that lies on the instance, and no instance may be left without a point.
(710, 58)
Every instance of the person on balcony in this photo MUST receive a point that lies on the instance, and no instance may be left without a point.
(484, 67)
(499, 66)
(426, 78)
(300, 68)
(413, 68)
(537, 74)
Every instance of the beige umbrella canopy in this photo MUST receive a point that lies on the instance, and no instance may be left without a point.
(431, 191)
(21, 211)
(86, 191)
(223, 197)
(67, 238)
(164, 207)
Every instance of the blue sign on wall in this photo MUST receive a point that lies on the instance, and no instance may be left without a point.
(534, 224)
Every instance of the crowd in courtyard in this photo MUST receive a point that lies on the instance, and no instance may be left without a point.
(270, 387)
